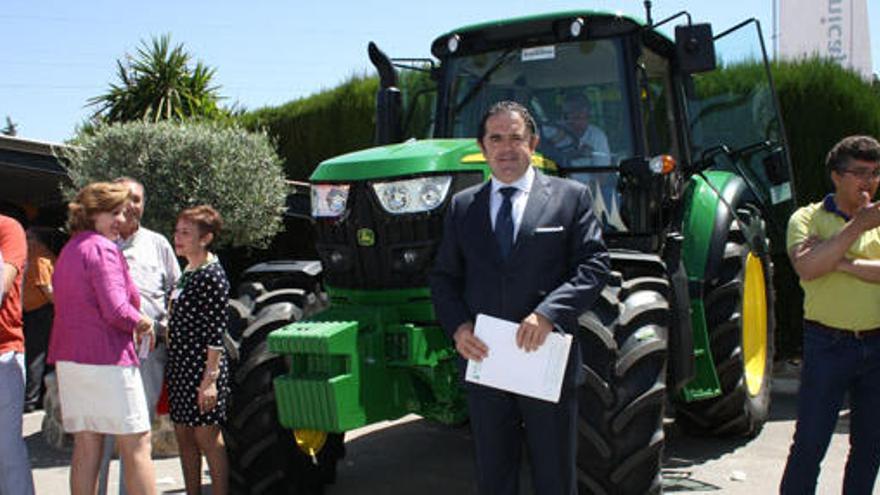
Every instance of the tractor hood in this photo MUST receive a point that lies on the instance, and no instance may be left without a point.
(412, 157)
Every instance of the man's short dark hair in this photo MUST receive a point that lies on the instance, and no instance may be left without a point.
(864, 148)
(505, 107)
(577, 99)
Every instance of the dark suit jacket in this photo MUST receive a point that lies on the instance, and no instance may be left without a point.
(557, 267)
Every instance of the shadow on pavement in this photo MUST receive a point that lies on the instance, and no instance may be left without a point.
(206, 490)
(681, 481)
(685, 451)
(783, 407)
(428, 458)
(414, 457)
(42, 455)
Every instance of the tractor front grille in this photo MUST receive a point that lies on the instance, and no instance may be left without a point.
(369, 248)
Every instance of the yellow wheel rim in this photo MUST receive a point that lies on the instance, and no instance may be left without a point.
(754, 325)
(310, 441)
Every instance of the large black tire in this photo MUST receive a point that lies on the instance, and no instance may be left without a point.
(741, 349)
(263, 456)
(623, 343)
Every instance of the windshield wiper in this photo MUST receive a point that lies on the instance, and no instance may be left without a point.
(483, 80)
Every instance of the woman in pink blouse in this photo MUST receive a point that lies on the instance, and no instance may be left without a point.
(96, 334)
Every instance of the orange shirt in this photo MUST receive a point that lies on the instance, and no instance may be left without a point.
(14, 248)
(40, 265)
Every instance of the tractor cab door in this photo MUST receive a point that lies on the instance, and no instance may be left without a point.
(735, 123)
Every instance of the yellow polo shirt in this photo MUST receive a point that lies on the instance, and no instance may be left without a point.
(837, 299)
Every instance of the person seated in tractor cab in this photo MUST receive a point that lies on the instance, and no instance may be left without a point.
(577, 145)
(581, 142)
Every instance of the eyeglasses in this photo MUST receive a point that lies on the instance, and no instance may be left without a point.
(863, 173)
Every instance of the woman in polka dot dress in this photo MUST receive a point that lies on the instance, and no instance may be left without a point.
(196, 371)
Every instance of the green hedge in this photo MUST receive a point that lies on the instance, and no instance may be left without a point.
(339, 120)
(821, 103)
(321, 126)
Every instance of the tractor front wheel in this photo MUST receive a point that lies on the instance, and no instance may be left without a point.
(740, 321)
(623, 343)
(264, 456)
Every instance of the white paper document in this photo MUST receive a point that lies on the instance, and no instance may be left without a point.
(535, 374)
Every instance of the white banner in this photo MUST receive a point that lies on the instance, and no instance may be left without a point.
(836, 29)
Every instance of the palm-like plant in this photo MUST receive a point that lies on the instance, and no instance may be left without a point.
(159, 83)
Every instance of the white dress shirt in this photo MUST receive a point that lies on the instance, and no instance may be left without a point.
(597, 141)
(153, 268)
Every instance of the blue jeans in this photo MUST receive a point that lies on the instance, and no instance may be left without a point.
(15, 468)
(835, 365)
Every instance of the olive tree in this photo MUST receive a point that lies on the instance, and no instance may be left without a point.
(184, 164)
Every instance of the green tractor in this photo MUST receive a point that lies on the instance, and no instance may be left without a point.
(693, 186)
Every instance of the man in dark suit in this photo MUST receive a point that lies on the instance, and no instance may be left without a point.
(527, 248)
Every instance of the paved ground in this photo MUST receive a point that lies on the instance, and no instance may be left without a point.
(429, 459)
(412, 455)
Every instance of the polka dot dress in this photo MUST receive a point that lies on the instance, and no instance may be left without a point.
(198, 320)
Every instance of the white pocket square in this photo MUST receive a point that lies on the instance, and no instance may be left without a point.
(545, 230)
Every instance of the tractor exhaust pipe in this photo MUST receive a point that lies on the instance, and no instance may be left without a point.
(388, 98)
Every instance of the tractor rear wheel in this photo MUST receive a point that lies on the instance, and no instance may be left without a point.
(264, 457)
(623, 343)
(740, 322)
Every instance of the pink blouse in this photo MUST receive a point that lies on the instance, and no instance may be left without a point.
(97, 306)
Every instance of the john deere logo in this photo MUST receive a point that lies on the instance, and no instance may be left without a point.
(366, 237)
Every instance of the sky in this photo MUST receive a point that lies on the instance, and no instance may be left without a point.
(59, 53)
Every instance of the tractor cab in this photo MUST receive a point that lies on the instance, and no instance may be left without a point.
(577, 93)
(613, 97)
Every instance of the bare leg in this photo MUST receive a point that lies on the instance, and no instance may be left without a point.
(210, 441)
(134, 449)
(190, 458)
(85, 462)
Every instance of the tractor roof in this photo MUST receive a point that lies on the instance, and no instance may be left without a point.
(539, 28)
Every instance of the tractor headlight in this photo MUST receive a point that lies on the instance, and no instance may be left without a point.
(412, 195)
(329, 200)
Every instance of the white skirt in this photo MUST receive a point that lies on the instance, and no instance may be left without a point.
(102, 398)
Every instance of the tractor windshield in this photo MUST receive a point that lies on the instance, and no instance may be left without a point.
(576, 92)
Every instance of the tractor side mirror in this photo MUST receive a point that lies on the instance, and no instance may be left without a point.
(695, 48)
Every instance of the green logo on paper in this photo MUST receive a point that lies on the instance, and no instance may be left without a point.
(366, 237)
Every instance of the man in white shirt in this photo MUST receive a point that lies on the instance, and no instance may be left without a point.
(593, 144)
(154, 270)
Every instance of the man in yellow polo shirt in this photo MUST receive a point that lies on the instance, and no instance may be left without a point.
(834, 246)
